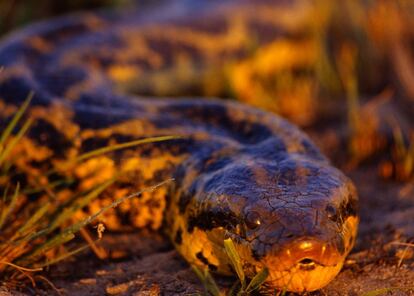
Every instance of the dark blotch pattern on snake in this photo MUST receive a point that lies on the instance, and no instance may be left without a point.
(239, 172)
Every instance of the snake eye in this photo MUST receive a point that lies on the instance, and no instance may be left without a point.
(332, 213)
(252, 219)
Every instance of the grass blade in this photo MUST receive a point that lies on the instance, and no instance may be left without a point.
(34, 218)
(10, 208)
(6, 151)
(57, 240)
(235, 260)
(9, 128)
(68, 212)
(257, 280)
(75, 227)
(50, 186)
(207, 280)
(233, 289)
(64, 256)
(5, 193)
(112, 148)
(68, 233)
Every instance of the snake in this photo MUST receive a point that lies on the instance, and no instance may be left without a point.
(239, 172)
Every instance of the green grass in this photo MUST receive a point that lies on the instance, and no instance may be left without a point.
(35, 233)
(387, 291)
(242, 287)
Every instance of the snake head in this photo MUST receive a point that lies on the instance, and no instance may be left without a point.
(297, 217)
(302, 227)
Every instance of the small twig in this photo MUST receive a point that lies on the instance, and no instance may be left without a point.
(122, 199)
(49, 283)
(402, 256)
(20, 267)
(23, 271)
(99, 251)
(407, 246)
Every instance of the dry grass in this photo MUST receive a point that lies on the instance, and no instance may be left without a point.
(18, 12)
(35, 231)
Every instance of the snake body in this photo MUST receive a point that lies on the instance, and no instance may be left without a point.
(239, 172)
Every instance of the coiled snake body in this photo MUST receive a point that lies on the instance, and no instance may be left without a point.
(239, 172)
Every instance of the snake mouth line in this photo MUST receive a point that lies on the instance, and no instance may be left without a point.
(306, 264)
(309, 261)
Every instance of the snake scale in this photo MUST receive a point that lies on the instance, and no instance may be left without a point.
(239, 172)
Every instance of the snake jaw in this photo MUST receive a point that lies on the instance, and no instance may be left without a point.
(303, 279)
(308, 263)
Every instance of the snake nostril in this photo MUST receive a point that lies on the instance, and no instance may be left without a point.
(307, 264)
(306, 261)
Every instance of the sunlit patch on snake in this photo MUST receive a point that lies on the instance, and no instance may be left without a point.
(239, 172)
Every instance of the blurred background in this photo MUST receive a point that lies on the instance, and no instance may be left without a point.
(347, 60)
(343, 71)
(19, 12)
